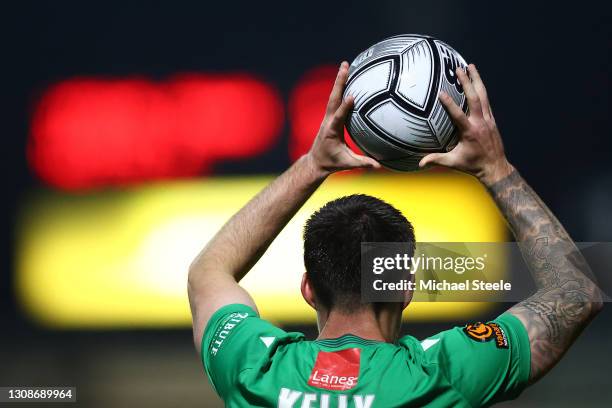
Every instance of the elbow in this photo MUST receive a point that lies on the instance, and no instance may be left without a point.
(200, 274)
(596, 302)
(197, 268)
(597, 307)
(194, 275)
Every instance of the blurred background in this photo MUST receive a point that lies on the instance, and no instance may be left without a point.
(133, 130)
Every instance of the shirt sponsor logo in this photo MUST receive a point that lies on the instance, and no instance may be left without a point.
(336, 370)
(483, 332)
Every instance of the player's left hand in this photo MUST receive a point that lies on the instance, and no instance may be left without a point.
(329, 152)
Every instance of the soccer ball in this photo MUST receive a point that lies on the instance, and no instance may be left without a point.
(397, 117)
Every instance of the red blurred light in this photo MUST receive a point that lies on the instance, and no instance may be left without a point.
(89, 133)
(307, 105)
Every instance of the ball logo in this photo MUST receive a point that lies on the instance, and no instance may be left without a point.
(363, 56)
(483, 332)
(336, 370)
(450, 66)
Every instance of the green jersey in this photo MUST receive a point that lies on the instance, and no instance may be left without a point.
(251, 362)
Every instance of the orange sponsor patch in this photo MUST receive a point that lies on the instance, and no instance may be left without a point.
(483, 332)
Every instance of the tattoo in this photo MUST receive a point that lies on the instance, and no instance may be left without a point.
(566, 298)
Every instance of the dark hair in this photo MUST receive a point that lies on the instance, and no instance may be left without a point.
(332, 245)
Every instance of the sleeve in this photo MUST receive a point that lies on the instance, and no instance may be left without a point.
(485, 362)
(235, 339)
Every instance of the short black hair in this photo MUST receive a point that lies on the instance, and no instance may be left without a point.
(332, 245)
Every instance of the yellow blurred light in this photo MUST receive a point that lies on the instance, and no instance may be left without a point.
(120, 259)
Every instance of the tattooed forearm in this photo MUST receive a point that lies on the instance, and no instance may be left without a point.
(566, 298)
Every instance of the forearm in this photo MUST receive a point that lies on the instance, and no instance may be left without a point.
(547, 248)
(247, 235)
(566, 298)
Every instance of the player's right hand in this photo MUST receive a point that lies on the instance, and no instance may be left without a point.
(329, 152)
(480, 151)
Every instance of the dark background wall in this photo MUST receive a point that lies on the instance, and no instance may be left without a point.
(546, 66)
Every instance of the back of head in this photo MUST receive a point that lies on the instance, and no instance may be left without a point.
(332, 245)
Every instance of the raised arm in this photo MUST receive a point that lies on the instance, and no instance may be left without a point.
(216, 271)
(566, 299)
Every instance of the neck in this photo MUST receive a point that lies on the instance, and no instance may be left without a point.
(364, 323)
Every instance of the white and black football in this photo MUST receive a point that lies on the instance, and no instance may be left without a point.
(397, 117)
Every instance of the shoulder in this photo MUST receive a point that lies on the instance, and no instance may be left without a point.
(237, 338)
(485, 361)
(506, 334)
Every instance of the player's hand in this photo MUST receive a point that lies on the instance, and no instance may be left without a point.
(329, 152)
(480, 151)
